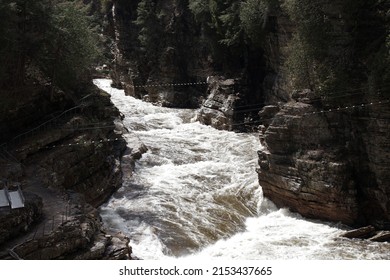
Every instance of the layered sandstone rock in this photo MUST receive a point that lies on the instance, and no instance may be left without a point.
(304, 169)
(227, 105)
(217, 109)
(329, 164)
(75, 155)
(332, 165)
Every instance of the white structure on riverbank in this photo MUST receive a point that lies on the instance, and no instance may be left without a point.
(12, 199)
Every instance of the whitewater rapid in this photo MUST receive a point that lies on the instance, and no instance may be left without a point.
(195, 194)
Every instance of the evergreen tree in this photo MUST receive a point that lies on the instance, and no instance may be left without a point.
(254, 18)
(72, 45)
(7, 40)
(148, 24)
(23, 29)
(53, 36)
(338, 43)
(236, 22)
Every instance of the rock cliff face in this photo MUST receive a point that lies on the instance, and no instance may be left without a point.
(304, 168)
(184, 51)
(67, 159)
(332, 165)
(276, 84)
(217, 109)
(19, 220)
(175, 59)
(324, 158)
(79, 236)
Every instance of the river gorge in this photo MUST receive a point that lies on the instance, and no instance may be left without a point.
(195, 194)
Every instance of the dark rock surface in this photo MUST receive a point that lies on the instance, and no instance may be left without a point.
(80, 236)
(368, 232)
(301, 167)
(226, 105)
(217, 109)
(16, 221)
(332, 165)
(176, 59)
(364, 232)
(66, 167)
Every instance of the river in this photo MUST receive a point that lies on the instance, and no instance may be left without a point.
(195, 194)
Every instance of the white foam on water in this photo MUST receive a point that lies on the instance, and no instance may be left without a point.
(195, 194)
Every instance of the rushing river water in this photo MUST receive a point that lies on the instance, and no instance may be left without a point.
(195, 194)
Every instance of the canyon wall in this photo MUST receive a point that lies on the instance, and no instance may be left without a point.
(325, 154)
(171, 69)
(67, 160)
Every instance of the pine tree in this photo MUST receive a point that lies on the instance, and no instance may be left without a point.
(71, 48)
(54, 36)
(148, 24)
(22, 32)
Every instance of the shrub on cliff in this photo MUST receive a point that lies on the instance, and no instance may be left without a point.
(254, 16)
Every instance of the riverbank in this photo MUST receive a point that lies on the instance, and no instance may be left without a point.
(67, 164)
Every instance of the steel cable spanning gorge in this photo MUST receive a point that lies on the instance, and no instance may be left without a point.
(195, 194)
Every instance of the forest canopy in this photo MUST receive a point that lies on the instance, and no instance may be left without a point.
(334, 44)
(51, 40)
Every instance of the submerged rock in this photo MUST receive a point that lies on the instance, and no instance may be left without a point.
(368, 232)
(363, 232)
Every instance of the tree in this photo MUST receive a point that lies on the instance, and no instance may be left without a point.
(53, 36)
(254, 17)
(22, 32)
(337, 43)
(148, 24)
(234, 21)
(7, 40)
(71, 48)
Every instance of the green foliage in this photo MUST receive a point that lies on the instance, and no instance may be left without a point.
(148, 24)
(229, 24)
(73, 44)
(320, 56)
(311, 23)
(253, 17)
(105, 5)
(235, 22)
(308, 42)
(54, 37)
(337, 44)
(378, 58)
(299, 63)
(22, 34)
(200, 9)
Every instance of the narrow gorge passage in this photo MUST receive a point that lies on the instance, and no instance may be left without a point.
(195, 194)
